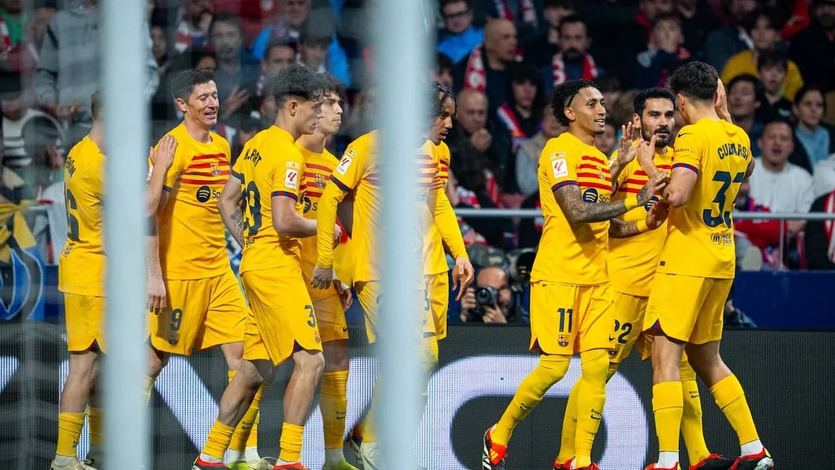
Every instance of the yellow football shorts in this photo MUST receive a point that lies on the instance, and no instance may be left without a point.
(331, 318)
(687, 308)
(282, 319)
(369, 295)
(437, 286)
(569, 318)
(628, 311)
(84, 316)
(201, 313)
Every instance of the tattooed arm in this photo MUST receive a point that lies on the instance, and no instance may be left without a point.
(229, 206)
(578, 211)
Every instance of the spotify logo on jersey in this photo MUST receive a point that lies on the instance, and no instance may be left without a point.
(204, 193)
(590, 195)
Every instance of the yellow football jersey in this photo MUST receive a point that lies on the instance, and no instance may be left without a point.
(700, 238)
(436, 258)
(81, 265)
(572, 254)
(357, 171)
(192, 240)
(632, 261)
(269, 166)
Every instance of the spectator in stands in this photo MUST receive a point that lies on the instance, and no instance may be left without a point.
(487, 68)
(18, 119)
(812, 47)
(820, 237)
(159, 48)
(665, 52)
(288, 25)
(486, 146)
(607, 141)
(23, 58)
(772, 67)
(459, 37)
(313, 46)
(726, 41)
(491, 300)
(203, 60)
(68, 68)
(279, 56)
(237, 72)
(526, 15)
(696, 23)
(195, 18)
(442, 72)
(573, 61)
(777, 184)
(12, 13)
(520, 115)
(541, 48)
(745, 95)
(632, 37)
(248, 128)
(817, 140)
(529, 150)
(763, 27)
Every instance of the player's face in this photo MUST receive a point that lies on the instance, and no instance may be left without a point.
(308, 113)
(443, 123)
(202, 105)
(658, 119)
(810, 109)
(587, 111)
(331, 117)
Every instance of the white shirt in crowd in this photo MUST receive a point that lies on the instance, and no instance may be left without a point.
(789, 190)
(825, 176)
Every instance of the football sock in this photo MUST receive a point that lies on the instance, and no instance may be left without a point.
(290, 444)
(333, 401)
(691, 417)
(730, 398)
(551, 368)
(218, 441)
(149, 387)
(94, 420)
(667, 405)
(569, 426)
(69, 429)
(591, 397)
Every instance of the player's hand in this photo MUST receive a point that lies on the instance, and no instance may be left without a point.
(322, 277)
(234, 101)
(481, 139)
(655, 185)
(646, 155)
(344, 291)
(468, 299)
(163, 155)
(156, 294)
(462, 275)
(628, 147)
(657, 214)
(493, 314)
(337, 235)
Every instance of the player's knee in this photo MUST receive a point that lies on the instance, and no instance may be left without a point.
(554, 366)
(595, 364)
(82, 367)
(310, 363)
(686, 371)
(156, 363)
(336, 355)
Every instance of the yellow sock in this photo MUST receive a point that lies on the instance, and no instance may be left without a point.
(569, 426)
(368, 427)
(731, 400)
(246, 433)
(149, 387)
(69, 428)
(94, 419)
(691, 418)
(333, 401)
(667, 406)
(290, 445)
(551, 368)
(218, 440)
(591, 397)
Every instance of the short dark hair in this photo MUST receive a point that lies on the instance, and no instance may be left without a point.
(806, 89)
(183, 83)
(288, 43)
(95, 105)
(667, 17)
(226, 17)
(574, 18)
(526, 73)
(565, 4)
(443, 61)
(771, 16)
(780, 121)
(331, 84)
(773, 59)
(438, 93)
(640, 100)
(695, 80)
(564, 94)
(608, 83)
(444, 3)
(297, 81)
(759, 88)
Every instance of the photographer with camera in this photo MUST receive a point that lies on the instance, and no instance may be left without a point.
(492, 299)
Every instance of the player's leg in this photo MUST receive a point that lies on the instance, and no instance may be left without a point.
(667, 399)
(74, 399)
(298, 397)
(94, 420)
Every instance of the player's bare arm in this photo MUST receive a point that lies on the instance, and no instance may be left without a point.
(750, 170)
(655, 218)
(156, 200)
(682, 182)
(229, 205)
(162, 157)
(288, 222)
(578, 211)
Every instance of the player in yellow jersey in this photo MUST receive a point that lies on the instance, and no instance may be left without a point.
(436, 268)
(195, 299)
(570, 295)
(259, 206)
(631, 266)
(81, 279)
(696, 266)
(358, 171)
(329, 304)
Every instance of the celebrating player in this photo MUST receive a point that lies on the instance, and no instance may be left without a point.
(329, 304)
(282, 322)
(570, 296)
(696, 268)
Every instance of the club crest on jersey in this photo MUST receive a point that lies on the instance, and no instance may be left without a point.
(204, 193)
(591, 196)
(559, 165)
(563, 341)
(320, 181)
(215, 169)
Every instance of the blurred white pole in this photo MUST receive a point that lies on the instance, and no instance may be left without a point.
(401, 73)
(123, 35)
